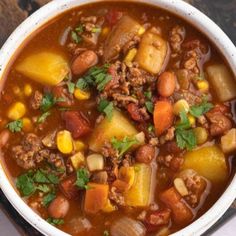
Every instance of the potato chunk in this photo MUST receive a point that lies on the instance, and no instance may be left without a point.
(139, 194)
(47, 68)
(119, 126)
(121, 34)
(152, 52)
(209, 162)
(222, 82)
(228, 141)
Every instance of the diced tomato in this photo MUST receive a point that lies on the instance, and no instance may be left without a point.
(113, 16)
(76, 123)
(61, 94)
(68, 187)
(181, 213)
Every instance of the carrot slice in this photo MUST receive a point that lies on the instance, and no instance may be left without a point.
(96, 197)
(182, 214)
(163, 116)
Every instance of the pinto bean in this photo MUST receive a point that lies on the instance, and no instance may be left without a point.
(59, 207)
(145, 154)
(4, 137)
(166, 84)
(83, 62)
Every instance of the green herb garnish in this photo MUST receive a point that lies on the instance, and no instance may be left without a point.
(54, 221)
(82, 178)
(148, 94)
(96, 30)
(48, 198)
(185, 136)
(71, 87)
(75, 37)
(199, 110)
(25, 184)
(43, 117)
(49, 101)
(149, 106)
(107, 107)
(15, 126)
(124, 145)
(79, 29)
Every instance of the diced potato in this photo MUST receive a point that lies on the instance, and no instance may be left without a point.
(152, 52)
(95, 162)
(77, 160)
(119, 126)
(181, 105)
(127, 174)
(121, 34)
(228, 141)
(96, 197)
(79, 145)
(222, 82)
(139, 194)
(64, 142)
(16, 111)
(47, 68)
(209, 162)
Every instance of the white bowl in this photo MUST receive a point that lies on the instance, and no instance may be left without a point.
(178, 7)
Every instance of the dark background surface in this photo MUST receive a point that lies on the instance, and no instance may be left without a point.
(13, 12)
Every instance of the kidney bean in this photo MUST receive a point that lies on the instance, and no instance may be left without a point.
(59, 207)
(166, 84)
(145, 154)
(83, 62)
(4, 137)
(134, 112)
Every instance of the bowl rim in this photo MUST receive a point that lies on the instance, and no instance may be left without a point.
(177, 7)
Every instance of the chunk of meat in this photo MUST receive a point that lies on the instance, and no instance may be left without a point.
(36, 100)
(83, 62)
(145, 154)
(68, 187)
(135, 113)
(62, 96)
(76, 123)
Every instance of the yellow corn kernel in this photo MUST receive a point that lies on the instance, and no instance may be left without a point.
(201, 135)
(181, 105)
(79, 145)
(64, 142)
(130, 55)
(16, 90)
(81, 95)
(16, 111)
(105, 31)
(27, 90)
(77, 160)
(141, 30)
(203, 85)
(109, 207)
(192, 120)
(27, 124)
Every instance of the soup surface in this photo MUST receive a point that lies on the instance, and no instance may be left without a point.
(117, 119)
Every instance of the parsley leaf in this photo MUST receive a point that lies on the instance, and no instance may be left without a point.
(148, 94)
(54, 221)
(201, 109)
(75, 37)
(48, 198)
(43, 188)
(185, 136)
(40, 177)
(82, 178)
(47, 102)
(25, 184)
(106, 107)
(71, 87)
(43, 117)
(149, 106)
(15, 126)
(123, 145)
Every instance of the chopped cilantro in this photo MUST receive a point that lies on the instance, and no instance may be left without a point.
(25, 184)
(185, 136)
(199, 110)
(40, 177)
(79, 29)
(124, 145)
(106, 107)
(71, 87)
(75, 37)
(151, 128)
(53, 178)
(149, 106)
(47, 102)
(48, 198)
(15, 126)
(43, 117)
(43, 188)
(96, 76)
(54, 221)
(148, 94)
(82, 178)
